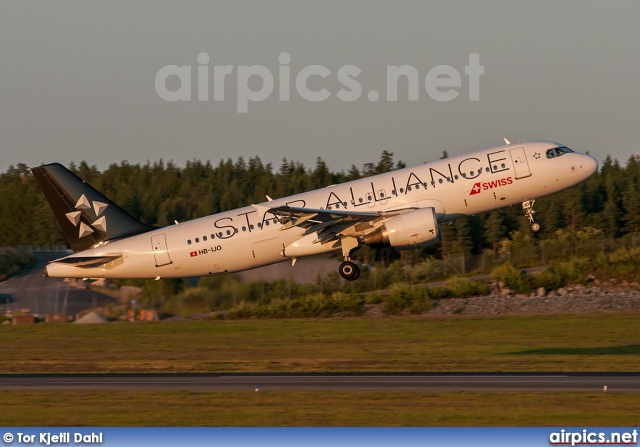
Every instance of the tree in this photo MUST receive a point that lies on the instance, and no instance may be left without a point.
(631, 202)
(494, 229)
(386, 162)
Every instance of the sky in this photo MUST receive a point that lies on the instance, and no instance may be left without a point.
(78, 79)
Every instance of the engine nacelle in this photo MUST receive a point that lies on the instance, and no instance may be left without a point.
(415, 229)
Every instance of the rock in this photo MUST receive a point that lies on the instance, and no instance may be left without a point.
(91, 318)
(541, 291)
(578, 299)
(562, 291)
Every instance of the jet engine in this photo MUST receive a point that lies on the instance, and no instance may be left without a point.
(415, 229)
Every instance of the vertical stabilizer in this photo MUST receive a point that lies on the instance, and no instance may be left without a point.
(86, 216)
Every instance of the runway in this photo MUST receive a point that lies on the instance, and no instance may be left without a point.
(327, 382)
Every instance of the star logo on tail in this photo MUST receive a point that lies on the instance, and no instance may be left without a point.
(83, 204)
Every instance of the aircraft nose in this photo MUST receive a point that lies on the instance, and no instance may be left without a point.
(590, 164)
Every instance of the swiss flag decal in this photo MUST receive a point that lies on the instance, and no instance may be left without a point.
(475, 189)
(193, 253)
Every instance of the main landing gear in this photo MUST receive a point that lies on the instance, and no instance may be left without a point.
(349, 270)
(527, 207)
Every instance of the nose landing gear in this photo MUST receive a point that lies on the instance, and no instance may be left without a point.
(527, 207)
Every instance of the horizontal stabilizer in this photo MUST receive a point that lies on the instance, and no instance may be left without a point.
(88, 261)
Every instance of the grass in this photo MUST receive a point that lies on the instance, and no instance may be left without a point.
(580, 343)
(85, 408)
(599, 342)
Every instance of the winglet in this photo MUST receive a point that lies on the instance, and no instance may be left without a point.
(269, 199)
(506, 141)
(260, 209)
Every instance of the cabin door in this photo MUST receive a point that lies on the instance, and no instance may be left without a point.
(520, 164)
(159, 245)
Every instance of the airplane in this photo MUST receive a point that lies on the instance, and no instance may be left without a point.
(402, 209)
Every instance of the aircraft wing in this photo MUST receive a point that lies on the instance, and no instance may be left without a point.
(329, 224)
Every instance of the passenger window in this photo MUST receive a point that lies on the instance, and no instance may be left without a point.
(440, 181)
(197, 240)
(213, 236)
(189, 241)
(204, 238)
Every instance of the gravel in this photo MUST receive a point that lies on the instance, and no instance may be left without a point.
(575, 299)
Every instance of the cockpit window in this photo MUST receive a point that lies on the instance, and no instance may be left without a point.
(558, 151)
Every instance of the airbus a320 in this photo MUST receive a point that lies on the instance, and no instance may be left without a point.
(402, 209)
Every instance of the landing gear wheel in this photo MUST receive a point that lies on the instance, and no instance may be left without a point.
(527, 207)
(349, 270)
(535, 227)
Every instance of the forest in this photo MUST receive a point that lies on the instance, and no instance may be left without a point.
(157, 193)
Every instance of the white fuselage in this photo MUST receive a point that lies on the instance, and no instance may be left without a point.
(242, 239)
